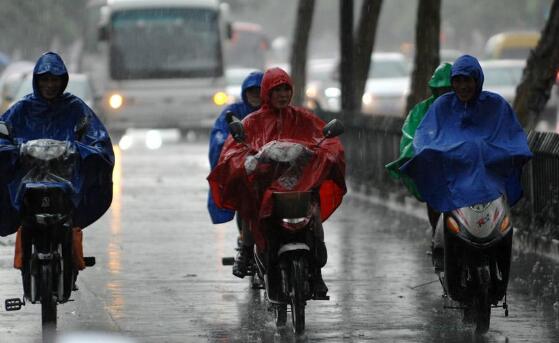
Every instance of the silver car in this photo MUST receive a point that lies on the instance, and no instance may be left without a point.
(503, 76)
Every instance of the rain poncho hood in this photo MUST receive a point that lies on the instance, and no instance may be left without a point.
(219, 134)
(440, 79)
(35, 118)
(251, 193)
(468, 153)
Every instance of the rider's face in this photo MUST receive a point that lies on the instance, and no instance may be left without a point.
(49, 85)
(253, 96)
(280, 96)
(464, 86)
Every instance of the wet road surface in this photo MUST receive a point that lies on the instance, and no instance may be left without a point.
(159, 276)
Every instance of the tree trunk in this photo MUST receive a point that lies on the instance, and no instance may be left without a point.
(541, 68)
(346, 55)
(426, 60)
(364, 44)
(299, 49)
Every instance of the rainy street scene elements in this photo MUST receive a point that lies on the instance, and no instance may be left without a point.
(209, 171)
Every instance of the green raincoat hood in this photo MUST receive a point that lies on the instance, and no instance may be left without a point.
(441, 76)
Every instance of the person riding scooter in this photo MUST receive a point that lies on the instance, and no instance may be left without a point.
(244, 183)
(250, 95)
(51, 113)
(469, 148)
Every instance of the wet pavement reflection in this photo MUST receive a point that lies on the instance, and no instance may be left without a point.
(159, 276)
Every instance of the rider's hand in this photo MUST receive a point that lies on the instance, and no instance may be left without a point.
(250, 164)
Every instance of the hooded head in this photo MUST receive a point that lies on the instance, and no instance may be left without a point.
(440, 79)
(253, 80)
(49, 63)
(272, 78)
(468, 66)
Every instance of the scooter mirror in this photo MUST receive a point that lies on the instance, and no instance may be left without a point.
(4, 131)
(334, 128)
(236, 128)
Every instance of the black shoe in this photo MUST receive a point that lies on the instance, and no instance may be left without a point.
(320, 289)
(240, 267)
(89, 261)
(321, 254)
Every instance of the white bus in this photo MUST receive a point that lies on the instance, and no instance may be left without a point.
(162, 63)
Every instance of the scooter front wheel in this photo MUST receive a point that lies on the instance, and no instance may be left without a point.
(298, 299)
(48, 302)
(280, 312)
(482, 307)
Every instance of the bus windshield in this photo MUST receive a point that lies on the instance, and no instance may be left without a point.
(165, 43)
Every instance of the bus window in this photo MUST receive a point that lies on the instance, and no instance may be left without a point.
(165, 43)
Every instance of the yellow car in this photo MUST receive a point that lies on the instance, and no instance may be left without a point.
(511, 45)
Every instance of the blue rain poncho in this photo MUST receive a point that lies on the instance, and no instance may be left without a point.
(34, 118)
(468, 153)
(219, 134)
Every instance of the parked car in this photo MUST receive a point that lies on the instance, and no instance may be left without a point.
(503, 76)
(78, 84)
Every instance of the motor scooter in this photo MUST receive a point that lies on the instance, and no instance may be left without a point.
(45, 193)
(477, 257)
(291, 260)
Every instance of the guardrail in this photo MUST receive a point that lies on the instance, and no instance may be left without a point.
(371, 142)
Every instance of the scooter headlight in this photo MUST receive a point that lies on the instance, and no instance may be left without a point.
(294, 224)
(452, 225)
(505, 224)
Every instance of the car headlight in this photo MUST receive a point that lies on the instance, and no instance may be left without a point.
(368, 99)
(115, 101)
(332, 92)
(220, 98)
(311, 92)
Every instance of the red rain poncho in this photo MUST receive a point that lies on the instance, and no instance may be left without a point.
(251, 194)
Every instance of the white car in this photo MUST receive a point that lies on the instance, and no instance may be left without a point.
(78, 84)
(385, 92)
(10, 80)
(320, 72)
(387, 86)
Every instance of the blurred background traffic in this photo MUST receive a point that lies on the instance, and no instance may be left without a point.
(154, 64)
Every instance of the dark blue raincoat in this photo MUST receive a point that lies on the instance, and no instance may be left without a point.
(468, 153)
(34, 118)
(219, 134)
